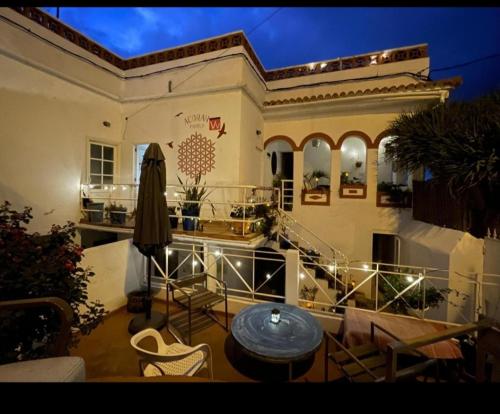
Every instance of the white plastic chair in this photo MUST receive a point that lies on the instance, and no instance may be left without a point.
(174, 359)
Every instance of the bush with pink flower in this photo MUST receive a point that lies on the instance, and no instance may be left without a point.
(33, 265)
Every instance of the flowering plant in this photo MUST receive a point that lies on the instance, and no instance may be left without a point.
(34, 266)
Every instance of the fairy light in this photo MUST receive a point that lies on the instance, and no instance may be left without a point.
(169, 252)
(302, 275)
(323, 65)
(105, 187)
(238, 264)
(330, 268)
(410, 278)
(268, 276)
(366, 267)
(176, 194)
(217, 253)
(124, 187)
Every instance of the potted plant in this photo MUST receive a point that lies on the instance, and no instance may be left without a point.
(240, 212)
(411, 303)
(116, 213)
(194, 196)
(308, 294)
(268, 215)
(311, 180)
(351, 187)
(172, 217)
(393, 195)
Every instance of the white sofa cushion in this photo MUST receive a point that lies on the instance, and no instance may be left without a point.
(60, 369)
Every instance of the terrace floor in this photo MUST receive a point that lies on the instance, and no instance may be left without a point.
(108, 354)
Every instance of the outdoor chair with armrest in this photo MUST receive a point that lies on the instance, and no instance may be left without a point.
(367, 362)
(175, 359)
(196, 300)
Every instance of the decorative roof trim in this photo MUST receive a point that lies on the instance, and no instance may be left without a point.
(218, 43)
(443, 83)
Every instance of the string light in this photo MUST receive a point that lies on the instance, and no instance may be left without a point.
(302, 275)
(238, 264)
(268, 276)
(217, 253)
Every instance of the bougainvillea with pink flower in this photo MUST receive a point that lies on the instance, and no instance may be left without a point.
(33, 265)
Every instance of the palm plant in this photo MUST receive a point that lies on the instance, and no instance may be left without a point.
(194, 196)
(458, 143)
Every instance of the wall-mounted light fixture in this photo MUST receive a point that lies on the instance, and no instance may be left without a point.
(258, 132)
(106, 124)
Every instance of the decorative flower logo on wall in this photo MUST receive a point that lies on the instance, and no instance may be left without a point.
(196, 155)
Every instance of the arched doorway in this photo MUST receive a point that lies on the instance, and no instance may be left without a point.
(278, 169)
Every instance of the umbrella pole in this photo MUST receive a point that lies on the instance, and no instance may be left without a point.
(148, 298)
(149, 319)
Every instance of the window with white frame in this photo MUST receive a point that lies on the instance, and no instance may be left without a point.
(140, 150)
(102, 164)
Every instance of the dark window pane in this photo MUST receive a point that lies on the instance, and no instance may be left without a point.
(107, 179)
(95, 167)
(108, 153)
(107, 168)
(95, 179)
(95, 151)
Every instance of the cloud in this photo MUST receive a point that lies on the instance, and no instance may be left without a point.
(151, 17)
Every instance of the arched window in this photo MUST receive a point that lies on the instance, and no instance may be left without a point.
(317, 163)
(393, 187)
(353, 161)
(386, 172)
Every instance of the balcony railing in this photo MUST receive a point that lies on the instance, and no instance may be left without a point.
(234, 205)
(411, 291)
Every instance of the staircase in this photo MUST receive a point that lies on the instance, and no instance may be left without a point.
(321, 265)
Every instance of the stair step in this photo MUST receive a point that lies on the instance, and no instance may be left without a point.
(360, 351)
(353, 368)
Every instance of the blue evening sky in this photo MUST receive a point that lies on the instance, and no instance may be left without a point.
(298, 35)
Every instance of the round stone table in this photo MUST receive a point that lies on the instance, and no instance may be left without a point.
(296, 337)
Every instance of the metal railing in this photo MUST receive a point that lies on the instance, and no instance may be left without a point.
(234, 205)
(234, 266)
(286, 194)
(409, 291)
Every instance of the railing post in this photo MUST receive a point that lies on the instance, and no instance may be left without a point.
(376, 288)
(292, 277)
(478, 305)
(211, 262)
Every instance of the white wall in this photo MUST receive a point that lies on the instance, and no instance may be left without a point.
(45, 123)
(466, 259)
(118, 268)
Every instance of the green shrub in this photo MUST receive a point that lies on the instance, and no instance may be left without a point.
(34, 266)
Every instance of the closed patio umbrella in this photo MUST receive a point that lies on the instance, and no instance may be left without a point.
(152, 227)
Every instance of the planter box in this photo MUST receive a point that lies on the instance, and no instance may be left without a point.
(118, 217)
(174, 222)
(384, 200)
(190, 223)
(95, 216)
(352, 191)
(320, 197)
